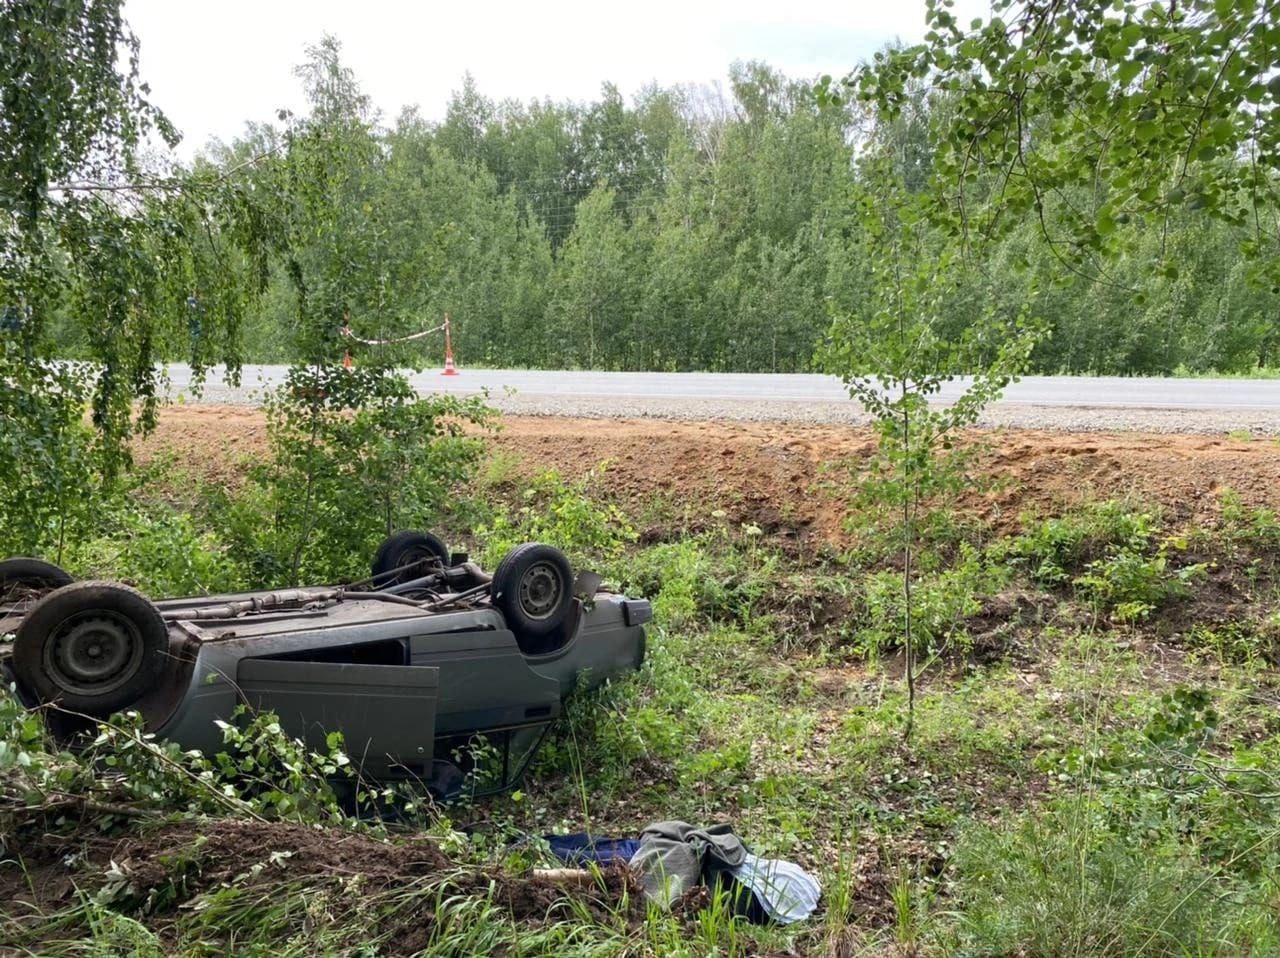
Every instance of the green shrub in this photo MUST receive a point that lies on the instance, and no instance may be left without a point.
(1107, 552)
(160, 551)
(1169, 781)
(1132, 585)
(355, 454)
(707, 577)
(562, 514)
(1053, 550)
(1248, 642)
(680, 579)
(940, 603)
(1258, 527)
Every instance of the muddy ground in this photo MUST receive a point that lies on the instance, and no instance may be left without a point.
(780, 476)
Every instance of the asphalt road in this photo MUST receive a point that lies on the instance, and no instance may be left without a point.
(1100, 392)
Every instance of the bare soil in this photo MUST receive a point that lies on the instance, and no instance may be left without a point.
(787, 477)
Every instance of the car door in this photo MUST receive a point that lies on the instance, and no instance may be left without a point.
(386, 713)
(485, 681)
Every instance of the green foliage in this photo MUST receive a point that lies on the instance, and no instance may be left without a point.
(355, 455)
(80, 98)
(562, 514)
(159, 550)
(1053, 550)
(1169, 781)
(1132, 585)
(595, 288)
(645, 234)
(703, 579)
(604, 730)
(47, 456)
(896, 350)
(125, 772)
(1146, 781)
(899, 346)
(1255, 528)
(277, 775)
(1114, 791)
(1091, 141)
(1248, 643)
(1108, 552)
(102, 247)
(106, 255)
(680, 580)
(266, 899)
(940, 604)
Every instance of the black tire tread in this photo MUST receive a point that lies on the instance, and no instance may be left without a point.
(508, 560)
(25, 570)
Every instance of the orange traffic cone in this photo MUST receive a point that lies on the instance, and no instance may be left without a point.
(449, 368)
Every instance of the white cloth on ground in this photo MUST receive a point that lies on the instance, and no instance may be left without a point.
(785, 890)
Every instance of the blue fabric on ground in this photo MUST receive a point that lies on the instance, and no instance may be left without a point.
(581, 847)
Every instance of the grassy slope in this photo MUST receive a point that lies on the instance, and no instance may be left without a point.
(1091, 768)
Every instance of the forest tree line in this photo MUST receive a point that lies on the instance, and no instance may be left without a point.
(683, 229)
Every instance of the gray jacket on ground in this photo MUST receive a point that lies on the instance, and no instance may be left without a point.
(675, 856)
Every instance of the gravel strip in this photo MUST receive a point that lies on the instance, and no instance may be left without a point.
(1064, 418)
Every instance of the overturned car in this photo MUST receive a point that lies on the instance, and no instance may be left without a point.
(412, 665)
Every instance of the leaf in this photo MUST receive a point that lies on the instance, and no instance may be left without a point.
(1127, 71)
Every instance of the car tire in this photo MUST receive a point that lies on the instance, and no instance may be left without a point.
(400, 549)
(34, 575)
(94, 647)
(533, 589)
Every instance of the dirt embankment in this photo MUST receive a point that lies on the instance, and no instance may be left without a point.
(163, 872)
(785, 477)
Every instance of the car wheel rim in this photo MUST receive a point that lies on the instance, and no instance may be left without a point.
(416, 557)
(94, 653)
(540, 590)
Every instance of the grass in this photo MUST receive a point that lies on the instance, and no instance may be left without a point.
(1078, 782)
(1054, 883)
(798, 739)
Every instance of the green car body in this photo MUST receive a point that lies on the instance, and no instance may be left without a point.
(408, 686)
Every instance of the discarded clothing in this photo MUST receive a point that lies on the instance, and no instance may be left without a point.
(581, 847)
(676, 856)
(672, 857)
(785, 891)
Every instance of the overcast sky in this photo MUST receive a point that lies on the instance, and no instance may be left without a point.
(212, 66)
